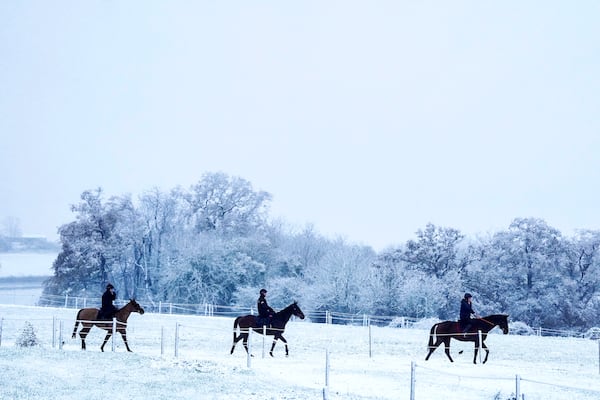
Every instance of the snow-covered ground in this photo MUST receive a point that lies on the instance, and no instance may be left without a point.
(364, 363)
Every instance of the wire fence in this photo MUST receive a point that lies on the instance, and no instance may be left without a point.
(35, 298)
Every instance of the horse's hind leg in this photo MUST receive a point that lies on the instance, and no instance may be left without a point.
(432, 348)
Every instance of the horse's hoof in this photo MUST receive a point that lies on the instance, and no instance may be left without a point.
(271, 354)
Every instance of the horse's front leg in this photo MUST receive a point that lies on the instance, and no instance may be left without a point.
(286, 346)
(273, 345)
(447, 349)
(124, 336)
(83, 334)
(487, 352)
(108, 335)
(245, 341)
(476, 344)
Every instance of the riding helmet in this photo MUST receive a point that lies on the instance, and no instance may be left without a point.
(467, 295)
(263, 291)
(109, 286)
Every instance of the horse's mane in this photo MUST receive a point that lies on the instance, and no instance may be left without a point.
(286, 309)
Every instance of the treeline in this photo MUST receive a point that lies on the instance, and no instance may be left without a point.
(215, 243)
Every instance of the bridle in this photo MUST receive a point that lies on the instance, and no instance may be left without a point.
(491, 323)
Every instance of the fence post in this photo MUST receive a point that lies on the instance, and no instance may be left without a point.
(370, 342)
(114, 332)
(264, 335)
(479, 346)
(162, 341)
(327, 368)
(160, 307)
(60, 335)
(412, 380)
(517, 387)
(66, 300)
(53, 331)
(176, 339)
(249, 352)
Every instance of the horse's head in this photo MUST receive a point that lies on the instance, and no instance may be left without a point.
(504, 324)
(296, 311)
(136, 307)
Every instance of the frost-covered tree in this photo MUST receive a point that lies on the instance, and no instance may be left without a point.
(522, 271)
(436, 251)
(28, 336)
(227, 205)
(341, 279)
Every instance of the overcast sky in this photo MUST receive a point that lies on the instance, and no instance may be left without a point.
(368, 119)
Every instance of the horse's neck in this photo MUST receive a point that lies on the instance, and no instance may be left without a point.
(490, 323)
(285, 314)
(123, 314)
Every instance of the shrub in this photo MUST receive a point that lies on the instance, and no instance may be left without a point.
(521, 328)
(592, 333)
(28, 337)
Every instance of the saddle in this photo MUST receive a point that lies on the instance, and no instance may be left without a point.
(104, 315)
(263, 321)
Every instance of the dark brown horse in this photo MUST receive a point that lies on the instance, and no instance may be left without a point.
(88, 318)
(276, 329)
(444, 331)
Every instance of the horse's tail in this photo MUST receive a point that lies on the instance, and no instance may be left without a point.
(76, 324)
(235, 327)
(432, 335)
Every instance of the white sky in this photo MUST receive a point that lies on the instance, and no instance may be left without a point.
(368, 119)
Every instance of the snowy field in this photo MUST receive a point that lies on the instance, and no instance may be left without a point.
(365, 363)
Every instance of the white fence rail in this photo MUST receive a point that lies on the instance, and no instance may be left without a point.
(208, 309)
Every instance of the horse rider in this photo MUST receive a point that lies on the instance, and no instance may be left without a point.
(265, 313)
(108, 310)
(466, 309)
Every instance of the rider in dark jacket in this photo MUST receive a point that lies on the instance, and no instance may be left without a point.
(108, 310)
(265, 313)
(466, 309)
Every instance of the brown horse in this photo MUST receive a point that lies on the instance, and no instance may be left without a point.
(276, 329)
(88, 318)
(444, 331)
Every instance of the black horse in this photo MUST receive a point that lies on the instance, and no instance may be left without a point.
(444, 331)
(276, 329)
